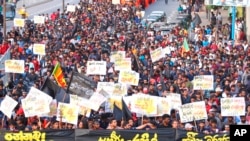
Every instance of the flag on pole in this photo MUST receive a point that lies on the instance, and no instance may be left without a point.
(58, 75)
(185, 48)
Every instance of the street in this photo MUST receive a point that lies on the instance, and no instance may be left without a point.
(51, 6)
(48, 7)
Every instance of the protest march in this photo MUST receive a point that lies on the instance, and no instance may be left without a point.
(96, 72)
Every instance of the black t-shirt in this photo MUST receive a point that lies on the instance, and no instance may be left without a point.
(164, 126)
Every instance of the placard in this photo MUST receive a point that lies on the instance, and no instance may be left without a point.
(124, 64)
(156, 54)
(19, 22)
(96, 68)
(144, 104)
(120, 89)
(14, 66)
(129, 77)
(234, 106)
(68, 113)
(106, 86)
(193, 111)
(71, 8)
(117, 55)
(36, 103)
(39, 49)
(203, 82)
(7, 106)
(115, 2)
(175, 100)
(97, 99)
(39, 19)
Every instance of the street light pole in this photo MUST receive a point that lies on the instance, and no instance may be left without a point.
(4, 19)
(63, 6)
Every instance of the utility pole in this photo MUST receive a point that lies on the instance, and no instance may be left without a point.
(4, 19)
(63, 6)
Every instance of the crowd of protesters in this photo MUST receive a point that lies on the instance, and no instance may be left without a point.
(76, 37)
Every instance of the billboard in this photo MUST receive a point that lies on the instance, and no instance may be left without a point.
(237, 3)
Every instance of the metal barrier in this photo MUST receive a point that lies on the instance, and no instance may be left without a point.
(6, 56)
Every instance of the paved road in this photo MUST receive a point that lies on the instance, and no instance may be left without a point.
(159, 5)
(48, 7)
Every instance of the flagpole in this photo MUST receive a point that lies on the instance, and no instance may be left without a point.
(71, 77)
(195, 124)
(64, 96)
(40, 124)
(3, 121)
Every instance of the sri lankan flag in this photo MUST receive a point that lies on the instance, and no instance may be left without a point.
(185, 48)
(58, 75)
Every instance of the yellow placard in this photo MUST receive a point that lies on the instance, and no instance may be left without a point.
(203, 82)
(124, 64)
(129, 77)
(39, 49)
(117, 55)
(68, 113)
(156, 54)
(19, 22)
(14, 66)
(143, 104)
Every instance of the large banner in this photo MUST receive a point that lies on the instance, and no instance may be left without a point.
(81, 85)
(106, 135)
(238, 3)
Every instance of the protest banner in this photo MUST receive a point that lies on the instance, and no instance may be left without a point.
(81, 85)
(19, 22)
(175, 100)
(124, 64)
(7, 106)
(71, 8)
(129, 77)
(14, 66)
(82, 104)
(39, 49)
(120, 89)
(203, 82)
(117, 56)
(36, 103)
(68, 113)
(234, 106)
(237, 3)
(106, 86)
(96, 100)
(193, 111)
(96, 68)
(166, 134)
(156, 54)
(144, 104)
(39, 19)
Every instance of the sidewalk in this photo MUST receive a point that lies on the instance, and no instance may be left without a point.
(206, 21)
